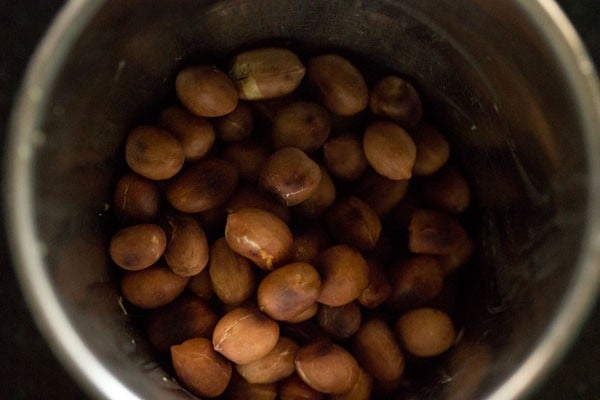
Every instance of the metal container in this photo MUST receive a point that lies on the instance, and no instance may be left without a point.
(508, 81)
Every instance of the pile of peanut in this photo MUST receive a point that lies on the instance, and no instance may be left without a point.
(269, 227)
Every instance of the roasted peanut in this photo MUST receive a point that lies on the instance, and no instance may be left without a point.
(378, 352)
(196, 134)
(260, 236)
(323, 196)
(294, 388)
(153, 153)
(237, 125)
(344, 275)
(276, 365)
(416, 281)
(136, 199)
(344, 157)
(447, 190)
(360, 391)
(309, 242)
(248, 196)
(433, 150)
(183, 319)
(289, 290)
(290, 175)
(327, 367)
(200, 285)
(395, 98)
(352, 221)
(340, 87)
(432, 232)
(301, 124)
(390, 150)
(138, 246)
(378, 289)
(305, 315)
(203, 186)
(152, 287)
(266, 73)
(340, 322)
(426, 332)
(187, 248)
(231, 275)
(245, 335)
(240, 389)
(380, 193)
(206, 91)
(248, 156)
(200, 368)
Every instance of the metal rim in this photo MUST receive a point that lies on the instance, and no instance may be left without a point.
(78, 359)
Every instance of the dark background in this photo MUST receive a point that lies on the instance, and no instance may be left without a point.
(28, 370)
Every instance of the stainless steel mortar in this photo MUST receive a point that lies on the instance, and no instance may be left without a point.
(508, 80)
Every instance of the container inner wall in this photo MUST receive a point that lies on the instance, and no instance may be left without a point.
(489, 80)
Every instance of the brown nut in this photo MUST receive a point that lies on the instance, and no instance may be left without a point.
(273, 367)
(459, 256)
(396, 99)
(291, 175)
(266, 73)
(183, 319)
(138, 246)
(152, 287)
(447, 190)
(206, 91)
(236, 125)
(378, 352)
(360, 391)
(240, 389)
(305, 315)
(204, 185)
(344, 157)
(352, 221)
(187, 247)
(200, 285)
(259, 236)
(289, 290)
(344, 275)
(327, 367)
(244, 335)
(301, 124)
(379, 288)
(196, 134)
(432, 232)
(249, 196)
(340, 87)
(340, 322)
(136, 198)
(231, 275)
(425, 332)
(200, 368)
(248, 156)
(294, 388)
(390, 150)
(153, 152)
(433, 150)
(309, 242)
(416, 281)
(323, 196)
(380, 193)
